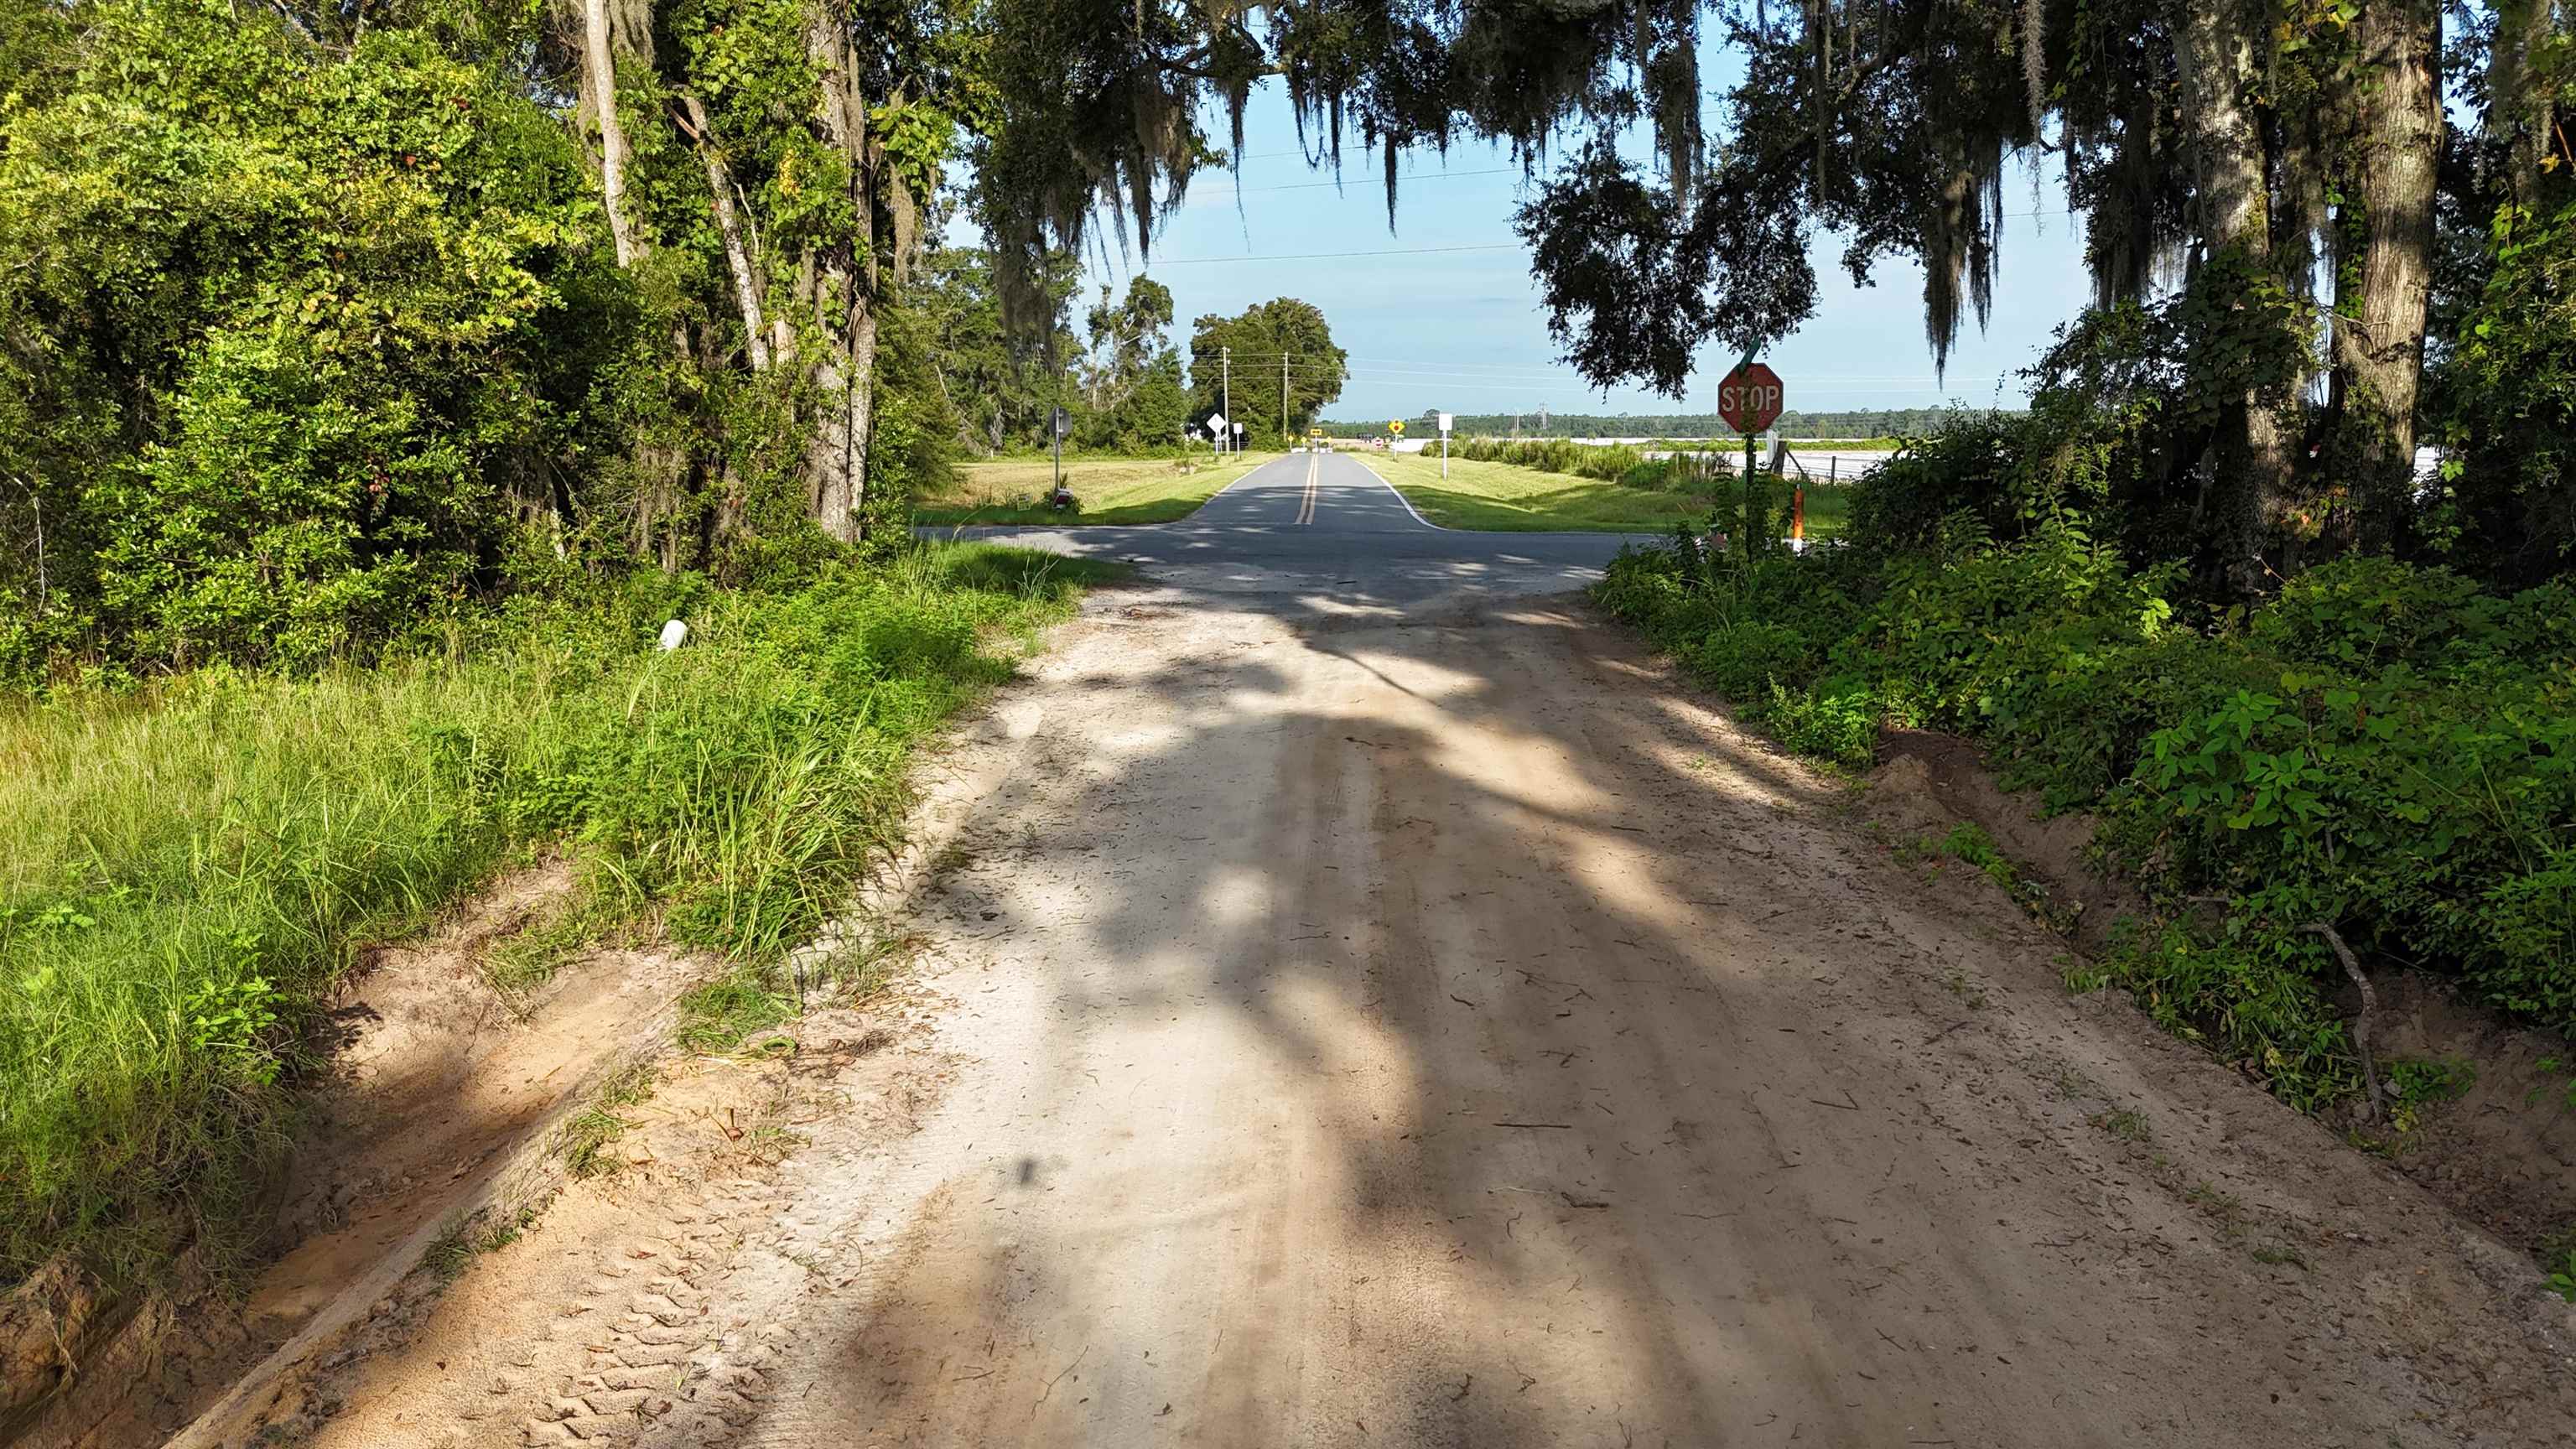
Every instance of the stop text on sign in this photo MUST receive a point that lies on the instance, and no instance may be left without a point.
(1751, 397)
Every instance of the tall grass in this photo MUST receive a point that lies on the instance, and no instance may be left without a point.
(184, 876)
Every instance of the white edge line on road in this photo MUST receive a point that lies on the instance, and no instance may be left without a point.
(1400, 498)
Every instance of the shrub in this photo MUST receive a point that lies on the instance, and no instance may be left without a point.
(2384, 747)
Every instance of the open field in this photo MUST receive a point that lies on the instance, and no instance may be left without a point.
(1112, 490)
(1506, 497)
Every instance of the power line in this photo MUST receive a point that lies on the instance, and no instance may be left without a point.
(1331, 256)
(1339, 184)
(1435, 370)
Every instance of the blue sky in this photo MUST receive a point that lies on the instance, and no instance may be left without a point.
(1463, 330)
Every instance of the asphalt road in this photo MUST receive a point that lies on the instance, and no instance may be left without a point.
(1323, 527)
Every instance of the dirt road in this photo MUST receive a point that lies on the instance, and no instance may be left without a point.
(1342, 1024)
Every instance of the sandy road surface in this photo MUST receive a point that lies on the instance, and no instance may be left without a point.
(1418, 1023)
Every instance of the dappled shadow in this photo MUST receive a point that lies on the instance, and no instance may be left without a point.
(1437, 1038)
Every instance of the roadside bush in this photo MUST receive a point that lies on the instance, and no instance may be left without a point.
(1611, 463)
(185, 873)
(2384, 747)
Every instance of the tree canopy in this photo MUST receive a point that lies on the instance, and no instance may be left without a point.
(1276, 359)
(319, 318)
(2270, 200)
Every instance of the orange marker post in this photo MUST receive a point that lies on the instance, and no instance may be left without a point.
(1798, 513)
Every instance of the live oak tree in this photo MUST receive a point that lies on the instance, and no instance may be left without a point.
(1131, 374)
(1278, 361)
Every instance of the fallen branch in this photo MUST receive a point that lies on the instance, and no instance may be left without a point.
(2361, 1023)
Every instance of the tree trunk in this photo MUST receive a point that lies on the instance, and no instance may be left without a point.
(2520, 113)
(2253, 452)
(599, 69)
(746, 283)
(2378, 345)
(845, 307)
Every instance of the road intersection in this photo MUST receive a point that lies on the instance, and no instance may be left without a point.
(1326, 526)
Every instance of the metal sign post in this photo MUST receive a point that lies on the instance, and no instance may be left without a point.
(1446, 419)
(1060, 424)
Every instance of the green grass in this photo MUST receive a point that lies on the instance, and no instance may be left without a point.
(1112, 490)
(601, 1121)
(184, 874)
(1506, 497)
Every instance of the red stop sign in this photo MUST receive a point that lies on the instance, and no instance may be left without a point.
(1750, 398)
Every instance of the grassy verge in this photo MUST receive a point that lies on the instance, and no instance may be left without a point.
(184, 875)
(1507, 497)
(1111, 490)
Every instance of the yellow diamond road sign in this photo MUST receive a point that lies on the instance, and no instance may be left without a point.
(1396, 427)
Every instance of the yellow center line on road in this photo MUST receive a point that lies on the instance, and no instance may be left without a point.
(1306, 513)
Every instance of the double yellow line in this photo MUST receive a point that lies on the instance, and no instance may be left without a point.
(1306, 513)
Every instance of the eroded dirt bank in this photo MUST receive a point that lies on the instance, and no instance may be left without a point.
(1433, 1028)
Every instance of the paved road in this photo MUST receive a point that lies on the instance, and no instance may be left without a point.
(1324, 527)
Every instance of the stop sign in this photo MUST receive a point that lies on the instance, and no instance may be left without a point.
(1750, 398)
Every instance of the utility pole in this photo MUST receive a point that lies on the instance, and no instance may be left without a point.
(1225, 391)
(1283, 399)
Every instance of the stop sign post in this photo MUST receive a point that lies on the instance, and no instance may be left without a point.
(1750, 399)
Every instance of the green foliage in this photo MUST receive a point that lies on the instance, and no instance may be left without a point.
(587, 1136)
(2506, 400)
(2421, 1082)
(2385, 746)
(286, 330)
(1261, 338)
(184, 875)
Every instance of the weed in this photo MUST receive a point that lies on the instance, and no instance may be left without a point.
(2073, 1085)
(2562, 1278)
(723, 1014)
(586, 1137)
(2273, 1255)
(1970, 995)
(2124, 1123)
(2555, 1064)
(463, 1241)
(2218, 1203)
(2421, 1083)
(519, 965)
(449, 1256)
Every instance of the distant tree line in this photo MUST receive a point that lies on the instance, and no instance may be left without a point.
(1849, 423)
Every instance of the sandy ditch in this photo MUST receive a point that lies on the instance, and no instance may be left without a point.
(433, 1126)
(2495, 1139)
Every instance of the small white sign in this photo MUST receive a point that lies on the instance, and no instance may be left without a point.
(1445, 420)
